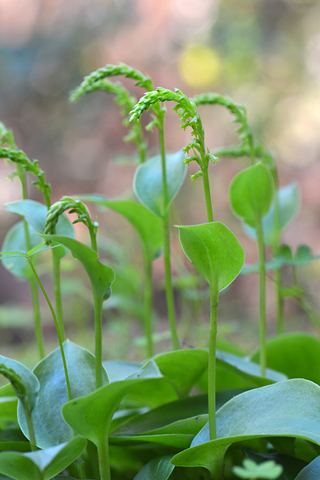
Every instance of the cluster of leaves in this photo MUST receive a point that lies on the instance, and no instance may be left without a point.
(188, 413)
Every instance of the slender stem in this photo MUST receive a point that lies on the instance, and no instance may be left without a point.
(148, 302)
(56, 325)
(57, 290)
(207, 194)
(98, 337)
(37, 317)
(30, 425)
(93, 238)
(166, 241)
(214, 301)
(32, 281)
(262, 280)
(103, 455)
(280, 316)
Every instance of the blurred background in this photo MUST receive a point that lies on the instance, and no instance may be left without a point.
(262, 53)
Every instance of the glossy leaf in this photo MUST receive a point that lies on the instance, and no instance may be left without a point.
(41, 464)
(90, 415)
(251, 193)
(148, 226)
(295, 355)
(311, 471)
(159, 468)
(274, 223)
(15, 242)
(183, 368)
(35, 215)
(120, 370)
(148, 181)
(269, 411)
(101, 276)
(178, 434)
(53, 392)
(214, 251)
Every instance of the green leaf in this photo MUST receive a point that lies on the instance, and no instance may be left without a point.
(91, 415)
(15, 242)
(251, 193)
(274, 222)
(148, 181)
(53, 392)
(214, 251)
(311, 471)
(183, 368)
(295, 355)
(28, 378)
(35, 215)
(42, 464)
(120, 370)
(269, 411)
(159, 468)
(148, 226)
(101, 276)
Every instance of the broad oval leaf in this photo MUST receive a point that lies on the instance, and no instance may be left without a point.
(148, 225)
(294, 354)
(15, 242)
(53, 392)
(41, 464)
(214, 251)
(183, 368)
(35, 214)
(269, 411)
(148, 181)
(284, 207)
(159, 468)
(101, 276)
(91, 415)
(251, 193)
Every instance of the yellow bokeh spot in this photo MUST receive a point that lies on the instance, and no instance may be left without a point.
(199, 66)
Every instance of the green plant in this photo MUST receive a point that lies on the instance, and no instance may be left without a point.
(189, 413)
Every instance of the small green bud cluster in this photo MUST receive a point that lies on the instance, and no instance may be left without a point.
(15, 380)
(67, 203)
(21, 159)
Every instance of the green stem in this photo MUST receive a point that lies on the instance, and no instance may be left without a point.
(30, 426)
(32, 281)
(57, 291)
(103, 455)
(280, 316)
(214, 301)
(207, 194)
(166, 241)
(98, 337)
(37, 317)
(262, 281)
(56, 325)
(148, 302)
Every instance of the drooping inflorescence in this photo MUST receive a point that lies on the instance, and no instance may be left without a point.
(21, 159)
(64, 204)
(111, 71)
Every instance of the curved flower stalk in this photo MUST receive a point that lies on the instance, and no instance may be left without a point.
(97, 81)
(75, 206)
(187, 111)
